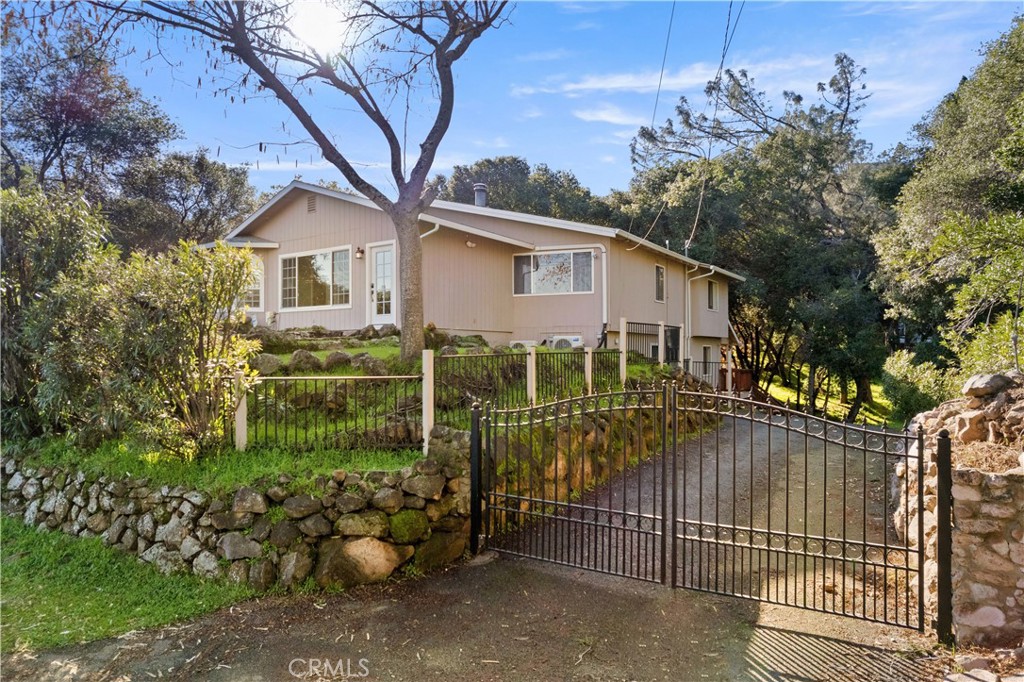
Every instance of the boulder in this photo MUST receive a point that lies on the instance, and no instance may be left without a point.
(262, 575)
(98, 522)
(238, 573)
(337, 359)
(261, 529)
(346, 563)
(266, 364)
(234, 546)
(315, 525)
(970, 426)
(449, 350)
(371, 523)
(231, 520)
(283, 534)
(190, 547)
(304, 361)
(163, 559)
(172, 533)
(981, 385)
(249, 500)
(366, 333)
(427, 487)
(388, 330)
(206, 565)
(388, 500)
(295, 567)
(409, 526)
(301, 506)
(349, 502)
(439, 550)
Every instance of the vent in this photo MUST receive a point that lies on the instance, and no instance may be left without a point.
(311, 203)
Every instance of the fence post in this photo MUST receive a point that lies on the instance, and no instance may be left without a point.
(475, 511)
(661, 342)
(728, 367)
(944, 540)
(588, 369)
(428, 398)
(241, 414)
(623, 346)
(531, 374)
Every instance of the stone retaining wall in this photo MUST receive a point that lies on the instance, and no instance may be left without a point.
(349, 529)
(988, 511)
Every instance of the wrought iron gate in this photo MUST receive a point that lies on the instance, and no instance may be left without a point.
(710, 492)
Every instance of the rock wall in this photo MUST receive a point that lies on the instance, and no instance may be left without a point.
(988, 508)
(349, 529)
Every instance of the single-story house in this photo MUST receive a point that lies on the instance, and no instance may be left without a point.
(330, 258)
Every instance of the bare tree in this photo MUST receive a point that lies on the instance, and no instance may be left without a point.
(390, 50)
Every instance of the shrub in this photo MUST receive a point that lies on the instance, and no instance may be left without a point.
(912, 387)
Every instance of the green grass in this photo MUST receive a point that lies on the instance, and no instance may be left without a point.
(878, 411)
(219, 473)
(60, 590)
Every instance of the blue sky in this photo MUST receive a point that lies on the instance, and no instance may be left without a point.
(568, 84)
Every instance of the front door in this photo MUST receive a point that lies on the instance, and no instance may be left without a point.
(382, 284)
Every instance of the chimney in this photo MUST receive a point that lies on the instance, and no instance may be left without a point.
(480, 194)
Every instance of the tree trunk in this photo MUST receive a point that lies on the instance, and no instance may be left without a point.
(410, 265)
(863, 396)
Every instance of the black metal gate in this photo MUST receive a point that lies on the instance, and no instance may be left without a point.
(710, 492)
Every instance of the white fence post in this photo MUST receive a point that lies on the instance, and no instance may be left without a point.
(241, 414)
(428, 398)
(531, 375)
(588, 369)
(728, 367)
(623, 344)
(661, 342)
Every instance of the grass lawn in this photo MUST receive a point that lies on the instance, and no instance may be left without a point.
(60, 590)
(223, 472)
(878, 411)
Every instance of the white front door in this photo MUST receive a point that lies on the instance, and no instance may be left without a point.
(382, 284)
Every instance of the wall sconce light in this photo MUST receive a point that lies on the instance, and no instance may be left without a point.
(359, 253)
(471, 244)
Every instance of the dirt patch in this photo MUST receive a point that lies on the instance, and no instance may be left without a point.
(507, 620)
(986, 456)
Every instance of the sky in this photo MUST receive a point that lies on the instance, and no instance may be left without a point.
(568, 84)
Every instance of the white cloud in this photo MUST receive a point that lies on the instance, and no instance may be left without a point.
(544, 56)
(531, 113)
(608, 113)
(498, 142)
(607, 158)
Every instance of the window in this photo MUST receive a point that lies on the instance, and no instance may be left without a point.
(563, 272)
(253, 296)
(659, 284)
(712, 295)
(315, 280)
(705, 354)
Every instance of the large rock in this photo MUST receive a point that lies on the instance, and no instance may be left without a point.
(427, 487)
(172, 533)
(337, 359)
(301, 506)
(163, 559)
(295, 568)
(346, 563)
(234, 546)
(981, 385)
(266, 364)
(262, 575)
(388, 500)
(371, 523)
(439, 550)
(970, 426)
(315, 525)
(304, 361)
(284, 533)
(409, 526)
(249, 500)
(349, 502)
(231, 520)
(206, 565)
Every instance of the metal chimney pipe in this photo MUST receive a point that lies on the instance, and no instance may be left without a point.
(480, 194)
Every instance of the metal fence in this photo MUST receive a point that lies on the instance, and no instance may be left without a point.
(561, 374)
(335, 412)
(708, 372)
(642, 342)
(461, 380)
(606, 370)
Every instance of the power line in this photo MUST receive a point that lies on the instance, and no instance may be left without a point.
(664, 60)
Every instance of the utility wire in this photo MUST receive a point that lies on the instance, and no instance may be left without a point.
(726, 44)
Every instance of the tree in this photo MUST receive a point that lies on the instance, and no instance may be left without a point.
(179, 197)
(390, 51)
(513, 186)
(785, 202)
(70, 119)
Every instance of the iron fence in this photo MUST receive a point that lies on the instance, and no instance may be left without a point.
(707, 372)
(642, 342)
(606, 370)
(561, 373)
(335, 412)
(461, 380)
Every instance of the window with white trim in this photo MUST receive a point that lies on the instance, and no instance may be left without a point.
(712, 295)
(317, 280)
(555, 272)
(253, 296)
(705, 355)
(659, 283)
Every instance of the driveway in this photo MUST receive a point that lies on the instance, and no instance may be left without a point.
(505, 619)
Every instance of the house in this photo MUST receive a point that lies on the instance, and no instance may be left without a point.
(330, 258)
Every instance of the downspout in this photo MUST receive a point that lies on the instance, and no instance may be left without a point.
(689, 305)
(604, 271)
(437, 226)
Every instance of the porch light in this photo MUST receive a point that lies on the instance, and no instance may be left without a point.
(471, 244)
(359, 253)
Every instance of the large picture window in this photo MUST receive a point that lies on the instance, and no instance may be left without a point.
(316, 280)
(561, 272)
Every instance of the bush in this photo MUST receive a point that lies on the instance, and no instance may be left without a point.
(913, 387)
(989, 350)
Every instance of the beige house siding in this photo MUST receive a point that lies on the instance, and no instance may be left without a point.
(704, 321)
